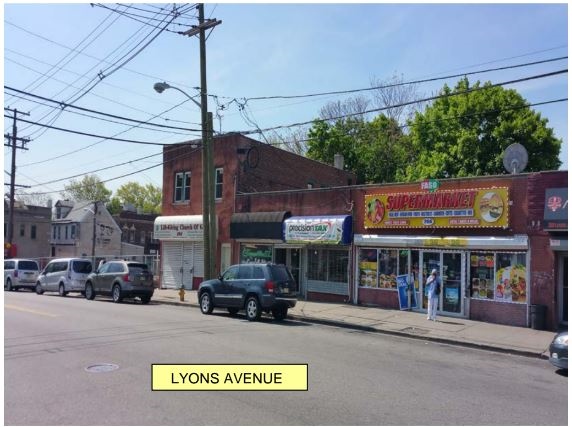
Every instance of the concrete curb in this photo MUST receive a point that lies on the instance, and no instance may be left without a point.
(370, 329)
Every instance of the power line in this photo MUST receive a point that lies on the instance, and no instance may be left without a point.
(431, 98)
(90, 134)
(65, 104)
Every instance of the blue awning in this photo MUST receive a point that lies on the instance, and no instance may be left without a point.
(332, 230)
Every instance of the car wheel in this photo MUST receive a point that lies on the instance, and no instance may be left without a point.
(252, 308)
(9, 285)
(280, 313)
(232, 311)
(89, 293)
(206, 303)
(116, 293)
(39, 290)
(62, 290)
(145, 299)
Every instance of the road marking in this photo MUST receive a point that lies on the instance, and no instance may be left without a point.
(29, 310)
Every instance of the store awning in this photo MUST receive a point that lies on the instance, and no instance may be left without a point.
(178, 227)
(517, 242)
(333, 230)
(257, 225)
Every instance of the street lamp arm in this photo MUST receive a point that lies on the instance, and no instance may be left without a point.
(160, 87)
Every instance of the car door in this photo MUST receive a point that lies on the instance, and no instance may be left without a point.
(223, 287)
(98, 277)
(107, 279)
(239, 286)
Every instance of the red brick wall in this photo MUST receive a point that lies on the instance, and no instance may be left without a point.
(377, 297)
(498, 312)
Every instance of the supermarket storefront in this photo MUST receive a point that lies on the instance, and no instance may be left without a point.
(485, 277)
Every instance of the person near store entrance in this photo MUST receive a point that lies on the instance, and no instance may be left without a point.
(433, 286)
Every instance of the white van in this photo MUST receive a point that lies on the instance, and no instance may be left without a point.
(20, 273)
(64, 275)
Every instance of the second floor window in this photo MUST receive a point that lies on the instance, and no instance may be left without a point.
(218, 184)
(182, 186)
(22, 230)
(33, 232)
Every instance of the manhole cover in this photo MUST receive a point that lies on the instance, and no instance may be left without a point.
(102, 367)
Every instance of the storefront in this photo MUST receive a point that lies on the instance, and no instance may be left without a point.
(181, 239)
(556, 224)
(482, 275)
(318, 251)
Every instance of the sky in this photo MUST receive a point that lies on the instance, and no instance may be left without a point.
(59, 51)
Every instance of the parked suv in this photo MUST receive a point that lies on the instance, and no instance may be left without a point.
(64, 275)
(121, 279)
(20, 273)
(252, 287)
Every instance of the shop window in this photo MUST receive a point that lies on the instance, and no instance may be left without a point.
(368, 268)
(387, 267)
(316, 265)
(255, 253)
(337, 266)
(498, 276)
(510, 277)
(182, 186)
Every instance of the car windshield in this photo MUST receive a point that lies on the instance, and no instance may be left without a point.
(82, 267)
(28, 265)
(280, 273)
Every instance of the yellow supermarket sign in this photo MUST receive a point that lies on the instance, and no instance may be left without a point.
(463, 208)
(211, 377)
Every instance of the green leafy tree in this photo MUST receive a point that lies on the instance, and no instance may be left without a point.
(375, 151)
(466, 135)
(145, 197)
(114, 206)
(89, 187)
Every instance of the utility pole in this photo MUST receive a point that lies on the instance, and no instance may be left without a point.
(94, 233)
(14, 138)
(209, 212)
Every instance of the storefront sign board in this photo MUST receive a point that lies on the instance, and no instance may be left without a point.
(462, 208)
(181, 227)
(320, 229)
(556, 209)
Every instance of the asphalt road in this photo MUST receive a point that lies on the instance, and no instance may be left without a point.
(354, 378)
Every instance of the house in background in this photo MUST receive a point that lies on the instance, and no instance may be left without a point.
(31, 230)
(136, 232)
(76, 226)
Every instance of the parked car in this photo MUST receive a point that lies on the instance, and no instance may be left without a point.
(252, 287)
(121, 279)
(64, 275)
(559, 350)
(20, 273)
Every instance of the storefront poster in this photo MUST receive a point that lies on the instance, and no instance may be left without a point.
(464, 208)
(324, 230)
(402, 290)
(511, 284)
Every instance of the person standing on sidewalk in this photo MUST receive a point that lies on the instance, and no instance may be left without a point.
(433, 286)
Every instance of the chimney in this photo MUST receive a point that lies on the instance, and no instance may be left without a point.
(339, 161)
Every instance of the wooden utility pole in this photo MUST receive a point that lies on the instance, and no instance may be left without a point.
(13, 140)
(209, 211)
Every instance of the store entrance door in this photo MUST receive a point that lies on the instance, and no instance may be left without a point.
(291, 258)
(452, 296)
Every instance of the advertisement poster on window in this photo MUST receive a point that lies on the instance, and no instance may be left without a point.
(402, 290)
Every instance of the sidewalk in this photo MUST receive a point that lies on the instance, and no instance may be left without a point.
(451, 330)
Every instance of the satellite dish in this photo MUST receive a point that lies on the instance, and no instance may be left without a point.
(515, 158)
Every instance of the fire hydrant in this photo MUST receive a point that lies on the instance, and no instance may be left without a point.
(182, 293)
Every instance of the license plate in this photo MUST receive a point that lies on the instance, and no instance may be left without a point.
(285, 290)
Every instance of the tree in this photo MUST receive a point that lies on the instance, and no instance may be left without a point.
(145, 197)
(89, 188)
(392, 94)
(466, 135)
(375, 151)
(114, 206)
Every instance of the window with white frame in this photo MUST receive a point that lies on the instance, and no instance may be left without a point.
(182, 186)
(218, 183)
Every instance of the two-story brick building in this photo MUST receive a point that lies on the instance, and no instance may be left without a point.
(489, 237)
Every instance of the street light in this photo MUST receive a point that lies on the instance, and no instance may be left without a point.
(209, 225)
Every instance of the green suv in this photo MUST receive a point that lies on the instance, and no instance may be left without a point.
(253, 288)
(121, 279)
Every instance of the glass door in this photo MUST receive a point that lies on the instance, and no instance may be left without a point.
(452, 295)
(430, 261)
